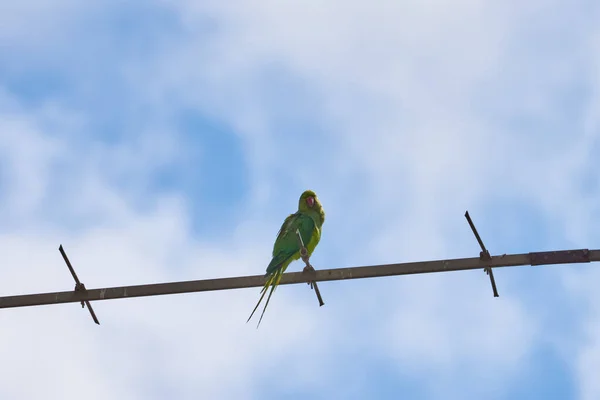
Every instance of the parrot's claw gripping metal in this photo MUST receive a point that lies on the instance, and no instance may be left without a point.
(79, 287)
(309, 268)
(484, 255)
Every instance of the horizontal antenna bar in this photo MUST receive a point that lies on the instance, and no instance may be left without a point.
(421, 267)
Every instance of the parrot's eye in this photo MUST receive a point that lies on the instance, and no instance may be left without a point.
(310, 201)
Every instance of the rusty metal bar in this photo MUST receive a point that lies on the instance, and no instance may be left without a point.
(79, 287)
(421, 267)
(484, 254)
(560, 257)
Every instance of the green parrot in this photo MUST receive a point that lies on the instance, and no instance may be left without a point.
(308, 220)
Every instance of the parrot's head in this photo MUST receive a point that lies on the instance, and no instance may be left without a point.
(309, 202)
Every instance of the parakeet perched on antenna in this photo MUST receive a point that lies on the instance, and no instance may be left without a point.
(308, 220)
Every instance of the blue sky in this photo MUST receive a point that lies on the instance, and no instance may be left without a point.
(165, 141)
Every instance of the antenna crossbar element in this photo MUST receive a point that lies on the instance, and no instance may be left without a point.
(484, 255)
(79, 287)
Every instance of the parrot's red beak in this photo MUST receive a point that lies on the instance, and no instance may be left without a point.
(310, 201)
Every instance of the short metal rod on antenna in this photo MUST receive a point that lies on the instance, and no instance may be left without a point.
(484, 255)
(79, 287)
(309, 268)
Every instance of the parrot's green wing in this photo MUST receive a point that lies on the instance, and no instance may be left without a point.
(286, 250)
(286, 244)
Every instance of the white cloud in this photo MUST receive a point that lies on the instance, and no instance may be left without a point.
(180, 344)
(417, 116)
(422, 100)
(26, 157)
(443, 329)
(36, 21)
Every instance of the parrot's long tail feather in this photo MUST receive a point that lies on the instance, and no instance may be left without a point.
(263, 292)
(276, 278)
(276, 284)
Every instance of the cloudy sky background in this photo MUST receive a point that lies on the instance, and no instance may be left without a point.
(162, 141)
